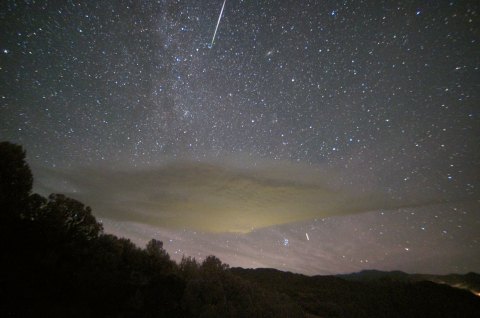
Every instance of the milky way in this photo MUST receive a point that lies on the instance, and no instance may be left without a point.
(317, 137)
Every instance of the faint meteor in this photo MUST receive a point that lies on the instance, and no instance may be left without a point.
(218, 23)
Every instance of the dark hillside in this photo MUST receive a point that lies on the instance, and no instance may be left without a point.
(331, 296)
(470, 281)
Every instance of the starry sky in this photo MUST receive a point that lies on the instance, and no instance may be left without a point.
(317, 137)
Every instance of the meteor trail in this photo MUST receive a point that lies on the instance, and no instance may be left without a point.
(218, 22)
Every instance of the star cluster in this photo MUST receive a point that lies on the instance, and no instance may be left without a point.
(379, 97)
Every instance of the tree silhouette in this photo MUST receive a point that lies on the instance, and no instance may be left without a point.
(15, 180)
(71, 217)
(189, 268)
(154, 247)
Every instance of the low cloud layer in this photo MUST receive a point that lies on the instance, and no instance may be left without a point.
(215, 197)
(380, 240)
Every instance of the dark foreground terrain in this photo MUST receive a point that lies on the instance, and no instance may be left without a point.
(360, 295)
(57, 262)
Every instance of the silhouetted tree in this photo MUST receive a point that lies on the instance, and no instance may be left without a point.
(189, 268)
(213, 265)
(159, 260)
(154, 247)
(71, 217)
(15, 180)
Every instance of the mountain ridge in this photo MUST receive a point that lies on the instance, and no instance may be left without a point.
(371, 293)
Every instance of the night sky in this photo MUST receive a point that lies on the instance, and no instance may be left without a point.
(313, 136)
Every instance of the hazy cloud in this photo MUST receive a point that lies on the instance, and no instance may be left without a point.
(216, 197)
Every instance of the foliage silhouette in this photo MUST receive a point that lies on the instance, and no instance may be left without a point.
(16, 180)
(59, 263)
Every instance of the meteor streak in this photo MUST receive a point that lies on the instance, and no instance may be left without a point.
(218, 23)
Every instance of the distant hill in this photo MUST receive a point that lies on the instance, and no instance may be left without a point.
(371, 293)
(470, 281)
